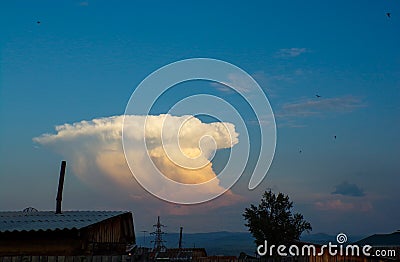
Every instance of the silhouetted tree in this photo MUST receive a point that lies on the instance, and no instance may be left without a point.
(273, 220)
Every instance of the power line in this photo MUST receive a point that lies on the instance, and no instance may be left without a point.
(158, 236)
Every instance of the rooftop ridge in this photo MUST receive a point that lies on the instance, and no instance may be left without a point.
(49, 220)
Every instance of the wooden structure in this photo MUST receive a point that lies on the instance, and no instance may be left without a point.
(178, 254)
(217, 259)
(70, 233)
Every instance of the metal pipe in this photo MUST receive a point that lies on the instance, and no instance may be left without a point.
(60, 187)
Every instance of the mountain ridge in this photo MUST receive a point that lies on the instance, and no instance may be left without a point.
(229, 243)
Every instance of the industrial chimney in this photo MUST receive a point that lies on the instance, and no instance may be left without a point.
(180, 238)
(60, 187)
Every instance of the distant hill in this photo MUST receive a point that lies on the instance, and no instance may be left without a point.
(229, 243)
(216, 243)
(392, 239)
(322, 238)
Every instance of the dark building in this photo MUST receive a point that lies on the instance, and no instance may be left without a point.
(178, 254)
(69, 233)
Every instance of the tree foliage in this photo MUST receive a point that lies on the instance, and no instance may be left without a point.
(273, 220)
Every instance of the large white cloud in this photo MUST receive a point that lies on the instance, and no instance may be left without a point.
(179, 146)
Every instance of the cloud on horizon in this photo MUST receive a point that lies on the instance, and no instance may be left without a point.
(343, 205)
(348, 189)
(332, 202)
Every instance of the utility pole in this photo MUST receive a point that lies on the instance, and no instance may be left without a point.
(158, 236)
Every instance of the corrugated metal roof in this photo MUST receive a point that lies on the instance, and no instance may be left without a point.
(49, 220)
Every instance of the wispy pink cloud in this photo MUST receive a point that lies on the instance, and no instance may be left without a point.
(343, 205)
(310, 107)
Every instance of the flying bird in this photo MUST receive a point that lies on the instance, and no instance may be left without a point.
(388, 15)
(38, 22)
(300, 151)
(335, 137)
(318, 96)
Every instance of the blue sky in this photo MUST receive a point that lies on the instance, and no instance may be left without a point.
(85, 58)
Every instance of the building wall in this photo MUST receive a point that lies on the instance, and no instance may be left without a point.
(65, 242)
(110, 236)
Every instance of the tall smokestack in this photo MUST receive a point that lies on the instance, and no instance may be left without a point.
(60, 187)
(180, 238)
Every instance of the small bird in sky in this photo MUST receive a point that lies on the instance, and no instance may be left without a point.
(38, 22)
(388, 15)
(300, 151)
(318, 96)
(335, 137)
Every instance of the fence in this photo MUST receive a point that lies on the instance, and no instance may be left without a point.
(115, 258)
